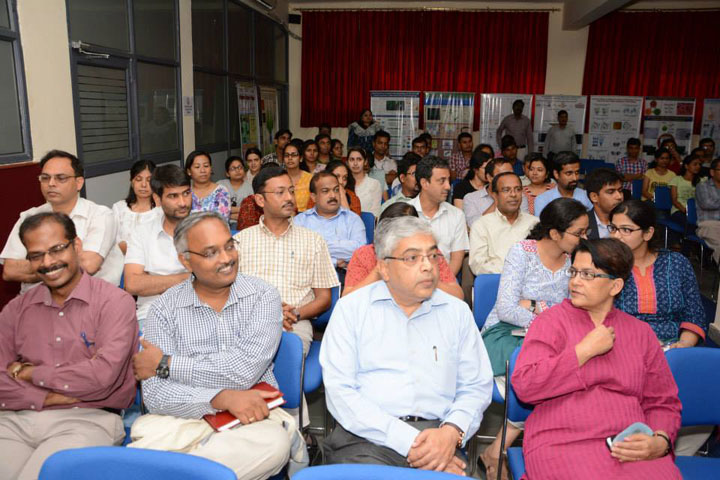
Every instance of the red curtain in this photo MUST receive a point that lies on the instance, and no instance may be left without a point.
(669, 54)
(347, 54)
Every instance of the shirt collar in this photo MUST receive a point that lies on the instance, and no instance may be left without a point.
(41, 293)
(379, 292)
(416, 203)
(503, 218)
(81, 208)
(267, 231)
(188, 298)
(313, 211)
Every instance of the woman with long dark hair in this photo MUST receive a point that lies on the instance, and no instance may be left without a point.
(474, 178)
(361, 132)
(206, 194)
(139, 206)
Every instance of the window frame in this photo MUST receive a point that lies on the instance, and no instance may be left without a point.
(12, 35)
(132, 58)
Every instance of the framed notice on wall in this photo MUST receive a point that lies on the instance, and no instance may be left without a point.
(663, 115)
(546, 110)
(398, 113)
(447, 115)
(495, 107)
(613, 120)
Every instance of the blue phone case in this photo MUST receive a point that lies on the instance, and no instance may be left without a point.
(637, 427)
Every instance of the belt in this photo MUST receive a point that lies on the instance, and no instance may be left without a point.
(116, 411)
(413, 418)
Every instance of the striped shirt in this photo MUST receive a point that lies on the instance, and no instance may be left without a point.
(294, 262)
(212, 351)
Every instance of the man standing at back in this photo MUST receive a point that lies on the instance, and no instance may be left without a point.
(560, 137)
(384, 169)
(517, 125)
(61, 180)
(566, 169)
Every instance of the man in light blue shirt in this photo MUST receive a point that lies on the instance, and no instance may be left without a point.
(566, 169)
(405, 370)
(343, 230)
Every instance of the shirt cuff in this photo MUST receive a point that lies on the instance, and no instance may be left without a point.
(181, 369)
(462, 420)
(569, 363)
(35, 397)
(401, 436)
(693, 328)
(42, 375)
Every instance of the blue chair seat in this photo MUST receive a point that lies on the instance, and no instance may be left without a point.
(322, 320)
(516, 461)
(496, 397)
(369, 472)
(698, 467)
(369, 221)
(313, 372)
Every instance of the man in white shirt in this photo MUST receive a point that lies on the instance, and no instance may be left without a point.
(560, 137)
(384, 169)
(406, 374)
(447, 221)
(492, 235)
(151, 264)
(61, 180)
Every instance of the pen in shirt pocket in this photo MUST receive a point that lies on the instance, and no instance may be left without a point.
(435, 350)
(88, 343)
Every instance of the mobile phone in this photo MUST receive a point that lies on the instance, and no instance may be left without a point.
(637, 427)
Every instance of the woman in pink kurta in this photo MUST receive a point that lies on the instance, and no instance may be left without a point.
(591, 371)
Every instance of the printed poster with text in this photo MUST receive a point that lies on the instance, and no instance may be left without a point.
(269, 115)
(668, 115)
(447, 115)
(613, 120)
(248, 115)
(711, 120)
(495, 107)
(398, 113)
(546, 110)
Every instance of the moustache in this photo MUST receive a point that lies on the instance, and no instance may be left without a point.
(288, 204)
(332, 201)
(51, 268)
(230, 264)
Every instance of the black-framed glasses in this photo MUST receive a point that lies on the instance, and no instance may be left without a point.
(53, 251)
(413, 259)
(281, 192)
(213, 252)
(624, 231)
(59, 178)
(573, 272)
(580, 234)
(291, 155)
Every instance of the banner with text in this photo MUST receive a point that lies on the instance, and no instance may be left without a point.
(495, 107)
(269, 115)
(663, 115)
(248, 115)
(546, 116)
(711, 120)
(613, 120)
(447, 115)
(398, 113)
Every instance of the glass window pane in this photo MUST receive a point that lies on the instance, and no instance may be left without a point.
(11, 140)
(4, 16)
(155, 28)
(210, 101)
(208, 29)
(234, 120)
(104, 121)
(264, 46)
(239, 46)
(157, 107)
(99, 22)
(280, 54)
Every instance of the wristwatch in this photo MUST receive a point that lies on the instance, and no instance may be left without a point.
(163, 370)
(533, 303)
(459, 430)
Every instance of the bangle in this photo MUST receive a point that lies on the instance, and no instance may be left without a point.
(667, 439)
(459, 431)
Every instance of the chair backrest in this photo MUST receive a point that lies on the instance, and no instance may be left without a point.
(697, 376)
(369, 472)
(288, 369)
(691, 212)
(485, 292)
(121, 463)
(517, 411)
(369, 221)
(637, 189)
(324, 317)
(662, 198)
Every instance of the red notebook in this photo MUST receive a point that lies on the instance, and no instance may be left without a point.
(225, 420)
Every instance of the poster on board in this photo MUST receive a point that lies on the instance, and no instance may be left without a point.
(495, 107)
(248, 115)
(398, 113)
(711, 120)
(546, 116)
(269, 118)
(613, 120)
(671, 115)
(447, 115)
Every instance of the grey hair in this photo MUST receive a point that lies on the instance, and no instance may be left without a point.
(182, 228)
(391, 230)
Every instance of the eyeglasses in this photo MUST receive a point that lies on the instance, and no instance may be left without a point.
(411, 260)
(280, 193)
(235, 169)
(507, 190)
(291, 155)
(60, 178)
(53, 251)
(624, 231)
(213, 252)
(573, 272)
(580, 234)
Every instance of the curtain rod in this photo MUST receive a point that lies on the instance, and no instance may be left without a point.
(663, 10)
(425, 9)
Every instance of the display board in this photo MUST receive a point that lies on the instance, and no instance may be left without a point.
(495, 107)
(668, 115)
(711, 120)
(613, 120)
(269, 118)
(398, 113)
(248, 115)
(546, 110)
(447, 115)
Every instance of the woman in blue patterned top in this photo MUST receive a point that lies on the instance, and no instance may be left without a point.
(361, 133)
(662, 289)
(534, 278)
(207, 196)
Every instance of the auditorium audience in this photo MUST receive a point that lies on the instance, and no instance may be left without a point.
(519, 127)
(707, 196)
(342, 230)
(207, 196)
(337, 149)
(604, 189)
(566, 170)
(537, 173)
(492, 235)
(474, 179)
(187, 373)
(447, 222)
(254, 162)
(509, 150)
(66, 346)
(293, 259)
(310, 161)
(383, 168)
(348, 199)
(282, 138)
(61, 179)
(324, 145)
(392, 410)
(361, 133)
(484, 147)
(657, 176)
(362, 269)
(708, 145)
(477, 203)
(237, 184)
(632, 166)
(459, 161)
(534, 278)
(675, 158)
(560, 137)
(138, 207)
(591, 371)
(300, 178)
(408, 186)
(324, 129)
(682, 187)
(369, 190)
(151, 264)
(419, 146)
